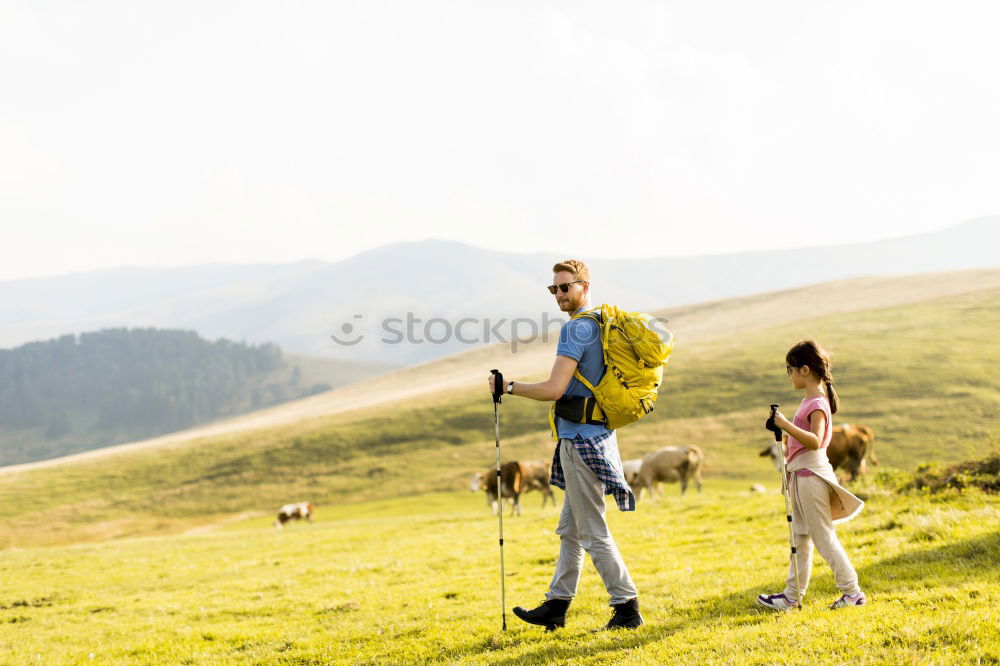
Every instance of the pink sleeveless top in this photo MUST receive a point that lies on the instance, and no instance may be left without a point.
(801, 419)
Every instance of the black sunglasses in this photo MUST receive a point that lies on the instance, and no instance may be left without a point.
(564, 287)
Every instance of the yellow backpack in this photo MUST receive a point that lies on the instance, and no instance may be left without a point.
(636, 347)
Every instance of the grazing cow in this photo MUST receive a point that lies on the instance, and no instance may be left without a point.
(296, 511)
(535, 475)
(851, 448)
(510, 485)
(631, 469)
(669, 464)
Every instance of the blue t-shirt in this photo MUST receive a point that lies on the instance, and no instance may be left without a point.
(580, 339)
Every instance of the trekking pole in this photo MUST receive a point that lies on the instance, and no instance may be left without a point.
(498, 388)
(788, 501)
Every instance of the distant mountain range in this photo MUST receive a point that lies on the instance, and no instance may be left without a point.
(299, 306)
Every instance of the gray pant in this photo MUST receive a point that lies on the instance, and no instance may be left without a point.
(583, 527)
(812, 504)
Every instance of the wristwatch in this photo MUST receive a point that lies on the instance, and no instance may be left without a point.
(510, 388)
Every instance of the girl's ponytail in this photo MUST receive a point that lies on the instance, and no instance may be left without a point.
(809, 353)
(831, 395)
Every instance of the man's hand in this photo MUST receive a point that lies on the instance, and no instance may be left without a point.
(552, 388)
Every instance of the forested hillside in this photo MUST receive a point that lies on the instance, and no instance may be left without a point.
(79, 391)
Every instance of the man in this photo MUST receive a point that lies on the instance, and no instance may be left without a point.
(586, 463)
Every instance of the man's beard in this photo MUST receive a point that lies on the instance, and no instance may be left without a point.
(570, 305)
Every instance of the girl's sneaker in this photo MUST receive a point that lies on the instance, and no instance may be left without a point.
(857, 600)
(777, 602)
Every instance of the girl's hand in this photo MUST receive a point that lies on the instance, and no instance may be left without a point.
(491, 384)
(781, 421)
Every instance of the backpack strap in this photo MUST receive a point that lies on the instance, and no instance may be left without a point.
(579, 409)
(583, 380)
(596, 407)
(594, 314)
(600, 315)
(602, 322)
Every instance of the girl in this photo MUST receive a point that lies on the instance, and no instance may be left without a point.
(818, 500)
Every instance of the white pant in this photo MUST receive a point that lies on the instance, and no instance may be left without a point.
(583, 527)
(811, 500)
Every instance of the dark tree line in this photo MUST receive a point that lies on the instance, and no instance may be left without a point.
(123, 383)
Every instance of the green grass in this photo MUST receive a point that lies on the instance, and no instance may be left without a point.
(415, 580)
(923, 376)
(401, 565)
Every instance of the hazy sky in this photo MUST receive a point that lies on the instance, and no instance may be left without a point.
(173, 133)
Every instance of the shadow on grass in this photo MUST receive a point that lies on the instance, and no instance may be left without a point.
(946, 565)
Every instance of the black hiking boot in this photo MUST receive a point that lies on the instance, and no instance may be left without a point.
(626, 616)
(551, 614)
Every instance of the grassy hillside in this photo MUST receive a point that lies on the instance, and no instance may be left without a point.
(694, 324)
(334, 371)
(921, 375)
(416, 580)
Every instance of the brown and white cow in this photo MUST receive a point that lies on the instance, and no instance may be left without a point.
(511, 478)
(528, 474)
(535, 475)
(294, 511)
(669, 464)
(851, 448)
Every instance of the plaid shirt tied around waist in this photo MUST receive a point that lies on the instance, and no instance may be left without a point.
(594, 454)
